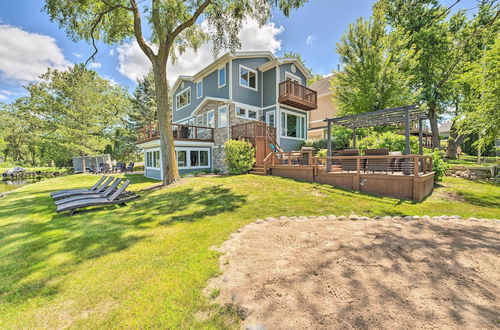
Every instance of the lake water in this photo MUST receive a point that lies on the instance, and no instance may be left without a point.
(11, 185)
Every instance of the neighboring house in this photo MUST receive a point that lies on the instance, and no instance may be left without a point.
(444, 129)
(251, 95)
(326, 108)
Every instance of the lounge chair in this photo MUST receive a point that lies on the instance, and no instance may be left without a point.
(104, 194)
(93, 188)
(74, 193)
(349, 164)
(377, 164)
(119, 197)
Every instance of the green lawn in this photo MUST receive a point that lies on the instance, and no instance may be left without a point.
(144, 265)
(466, 160)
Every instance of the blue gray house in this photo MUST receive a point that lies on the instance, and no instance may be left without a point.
(252, 95)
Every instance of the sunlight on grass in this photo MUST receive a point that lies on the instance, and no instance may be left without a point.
(145, 264)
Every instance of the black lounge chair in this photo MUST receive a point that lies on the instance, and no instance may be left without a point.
(93, 188)
(349, 164)
(119, 197)
(83, 192)
(106, 193)
(377, 164)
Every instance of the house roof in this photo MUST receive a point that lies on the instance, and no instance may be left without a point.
(322, 86)
(445, 127)
(242, 54)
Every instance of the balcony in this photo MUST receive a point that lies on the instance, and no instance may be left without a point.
(297, 95)
(181, 132)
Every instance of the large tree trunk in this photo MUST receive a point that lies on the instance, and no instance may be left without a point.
(434, 127)
(454, 141)
(168, 158)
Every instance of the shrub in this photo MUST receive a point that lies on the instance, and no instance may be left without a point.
(341, 139)
(439, 166)
(388, 140)
(240, 156)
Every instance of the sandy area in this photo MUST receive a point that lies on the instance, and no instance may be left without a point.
(391, 274)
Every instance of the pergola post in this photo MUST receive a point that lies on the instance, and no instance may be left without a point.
(354, 138)
(329, 147)
(407, 131)
(420, 136)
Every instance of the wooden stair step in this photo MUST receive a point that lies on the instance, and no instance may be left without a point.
(257, 172)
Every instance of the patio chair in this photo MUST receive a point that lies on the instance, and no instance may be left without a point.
(104, 194)
(130, 167)
(106, 168)
(377, 164)
(348, 164)
(395, 163)
(93, 188)
(119, 197)
(76, 192)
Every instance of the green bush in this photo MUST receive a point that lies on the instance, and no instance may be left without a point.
(439, 166)
(341, 139)
(388, 140)
(240, 156)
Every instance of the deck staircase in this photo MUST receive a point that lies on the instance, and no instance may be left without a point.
(258, 170)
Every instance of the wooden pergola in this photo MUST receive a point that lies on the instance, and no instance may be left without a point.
(390, 116)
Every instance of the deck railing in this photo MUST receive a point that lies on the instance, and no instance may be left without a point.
(180, 132)
(297, 95)
(251, 130)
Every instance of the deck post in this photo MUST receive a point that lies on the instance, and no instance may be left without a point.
(354, 138)
(329, 148)
(358, 174)
(420, 136)
(407, 131)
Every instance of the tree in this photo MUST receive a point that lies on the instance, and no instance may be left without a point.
(144, 111)
(373, 68)
(76, 110)
(174, 26)
(440, 44)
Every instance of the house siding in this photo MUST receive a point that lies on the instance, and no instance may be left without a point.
(269, 87)
(243, 94)
(288, 68)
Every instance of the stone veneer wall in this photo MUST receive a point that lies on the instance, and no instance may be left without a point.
(223, 134)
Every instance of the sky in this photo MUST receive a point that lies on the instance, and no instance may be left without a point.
(30, 43)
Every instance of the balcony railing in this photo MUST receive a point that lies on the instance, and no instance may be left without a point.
(252, 130)
(180, 132)
(297, 95)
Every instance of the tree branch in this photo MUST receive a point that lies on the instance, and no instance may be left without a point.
(187, 23)
(138, 32)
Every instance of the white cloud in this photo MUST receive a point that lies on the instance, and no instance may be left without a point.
(24, 55)
(95, 65)
(309, 40)
(3, 97)
(111, 52)
(134, 64)
(77, 55)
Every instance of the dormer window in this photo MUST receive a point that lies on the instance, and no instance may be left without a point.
(248, 77)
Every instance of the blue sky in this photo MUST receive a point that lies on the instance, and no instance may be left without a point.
(29, 43)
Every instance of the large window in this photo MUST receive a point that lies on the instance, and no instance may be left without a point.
(247, 113)
(193, 157)
(292, 77)
(248, 77)
(153, 159)
(222, 77)
(199, 89)
(222, 117)
(183, 99)
(293, 125)
(200, 120)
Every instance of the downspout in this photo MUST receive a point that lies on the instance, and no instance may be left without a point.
(278, 109)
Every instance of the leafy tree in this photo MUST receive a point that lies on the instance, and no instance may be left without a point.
(174, 25)
(373, 75)
(440, 43)
(77, 110)
(144, 111)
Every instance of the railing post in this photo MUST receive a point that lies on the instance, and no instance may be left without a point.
(290, 158)
(358, 173)
(415, 166)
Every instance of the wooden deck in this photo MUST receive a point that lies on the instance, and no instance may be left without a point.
(407, 177)
(297, 95)
(181, 132)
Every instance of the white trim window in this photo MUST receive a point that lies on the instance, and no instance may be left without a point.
(211, 118)
(222, 117)
(292, 77)
(271, 118)
(200, 120)
(248, 78)
(191, 158)
(199, 89)
(152, 160)
(246, 113)
(183, 98)
(221, 77)
(293, 125)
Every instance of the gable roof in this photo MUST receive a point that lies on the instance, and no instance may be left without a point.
(241, 54)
